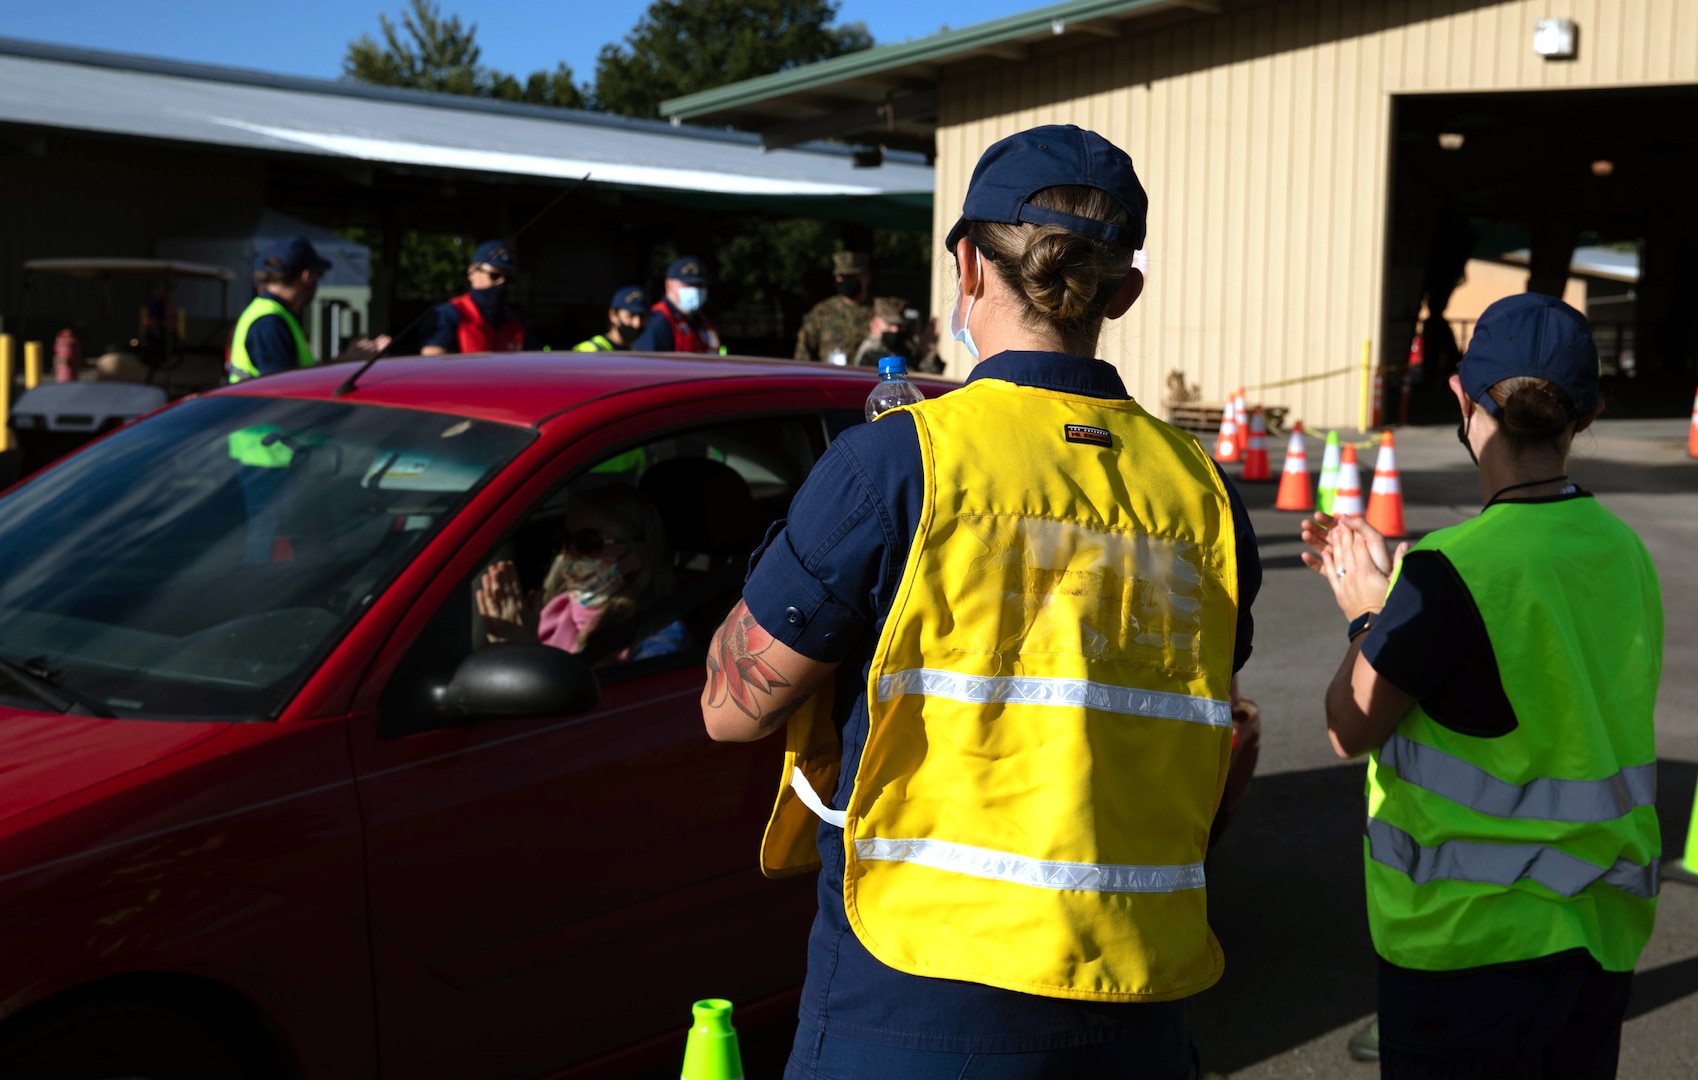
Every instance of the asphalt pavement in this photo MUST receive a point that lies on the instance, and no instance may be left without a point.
(1285, 882)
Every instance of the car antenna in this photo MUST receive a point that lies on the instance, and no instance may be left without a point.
(351, 383)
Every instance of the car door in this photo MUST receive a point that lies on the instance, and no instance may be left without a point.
(549, 889)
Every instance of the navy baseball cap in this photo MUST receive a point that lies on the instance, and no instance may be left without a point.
(1020, 166)
(631, 298)
(688, 269)
(496, 253)
(290, 255)
(1537, 335)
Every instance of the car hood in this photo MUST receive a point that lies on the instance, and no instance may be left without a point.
(46, 756)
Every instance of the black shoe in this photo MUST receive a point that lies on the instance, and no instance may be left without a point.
(1365, 1044)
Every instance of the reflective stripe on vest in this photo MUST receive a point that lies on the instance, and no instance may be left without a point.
(1038, 873)
(1546, 799)
(241, 365)
(1543, 839)
(1077, 693)
(1504, 864)
(1048, 726)
(477, 336)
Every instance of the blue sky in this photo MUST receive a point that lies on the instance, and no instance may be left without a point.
(307, 37)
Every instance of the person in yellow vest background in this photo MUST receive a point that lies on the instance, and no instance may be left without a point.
(1502, 675)
(268, 336)
(1000, 630)
(627, 313)
(267, 339)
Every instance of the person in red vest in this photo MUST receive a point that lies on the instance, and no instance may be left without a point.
(479, 320)
(678, 324)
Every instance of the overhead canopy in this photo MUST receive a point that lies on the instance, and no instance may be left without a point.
(103, 267)
(49, 87)
(888, 94)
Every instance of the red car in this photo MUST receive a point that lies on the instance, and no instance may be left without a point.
(272, 804)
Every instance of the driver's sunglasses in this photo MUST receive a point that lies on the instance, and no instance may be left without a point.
(592, 542)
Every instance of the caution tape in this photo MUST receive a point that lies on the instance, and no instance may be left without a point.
(1360, 444)
(1302, 379)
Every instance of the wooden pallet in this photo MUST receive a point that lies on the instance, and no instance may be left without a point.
(1205, 419)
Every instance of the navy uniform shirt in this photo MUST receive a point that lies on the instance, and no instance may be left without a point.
(271, 344)
(442, 326)
(837, 562)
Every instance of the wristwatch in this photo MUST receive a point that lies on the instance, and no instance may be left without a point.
(1361, 624)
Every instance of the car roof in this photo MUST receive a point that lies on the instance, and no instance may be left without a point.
(526, 388)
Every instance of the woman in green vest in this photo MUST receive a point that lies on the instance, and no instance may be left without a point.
(1502, 675)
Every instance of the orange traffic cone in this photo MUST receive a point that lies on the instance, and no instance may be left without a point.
(1294, 490)
(1347, 500)
(1692, 433)
(1240, 414)
(1256, 450)
(1385, 500)
(1227, 446)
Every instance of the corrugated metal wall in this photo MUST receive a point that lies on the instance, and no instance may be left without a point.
(1262, 136)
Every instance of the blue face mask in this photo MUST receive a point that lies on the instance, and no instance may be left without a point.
(958, 321)
(691, 298)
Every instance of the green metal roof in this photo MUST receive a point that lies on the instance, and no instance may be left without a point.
(1041, 23)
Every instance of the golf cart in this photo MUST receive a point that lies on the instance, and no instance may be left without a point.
(87, 400)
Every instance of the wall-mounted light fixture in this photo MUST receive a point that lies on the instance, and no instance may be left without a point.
(1602, 167)
(1451, 140)
(1556, 39)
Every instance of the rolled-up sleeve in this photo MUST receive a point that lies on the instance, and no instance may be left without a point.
(820, 582)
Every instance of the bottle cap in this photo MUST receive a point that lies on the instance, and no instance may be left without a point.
(892, 364)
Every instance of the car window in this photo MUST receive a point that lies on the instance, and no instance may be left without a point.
(197, 564)
(631, 563)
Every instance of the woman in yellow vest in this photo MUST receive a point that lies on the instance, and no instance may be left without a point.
(1504, 688)
(1000, 628)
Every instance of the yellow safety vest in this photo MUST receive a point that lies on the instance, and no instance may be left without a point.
(241, 364)
(598, 343)
(1049, 719)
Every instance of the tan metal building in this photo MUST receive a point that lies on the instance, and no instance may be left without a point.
(1317, 168)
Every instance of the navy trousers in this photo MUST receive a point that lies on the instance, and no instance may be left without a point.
(1558, 1018)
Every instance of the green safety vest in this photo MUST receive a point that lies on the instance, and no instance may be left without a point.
(1491, 850)
(598, 343)
(241, 364)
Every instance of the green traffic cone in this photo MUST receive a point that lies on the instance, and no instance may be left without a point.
(711, 1052)
(1329, 475)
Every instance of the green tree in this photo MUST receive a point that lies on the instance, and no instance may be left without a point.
(426, 51)
(682, 46)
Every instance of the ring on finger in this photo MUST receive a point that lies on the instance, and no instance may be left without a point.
(1341, 571)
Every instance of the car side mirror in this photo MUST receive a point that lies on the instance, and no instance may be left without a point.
(512, 680)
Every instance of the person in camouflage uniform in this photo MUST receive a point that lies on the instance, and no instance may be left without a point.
(888, 335)
(839, 324)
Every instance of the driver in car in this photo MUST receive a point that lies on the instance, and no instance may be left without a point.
(599, 598)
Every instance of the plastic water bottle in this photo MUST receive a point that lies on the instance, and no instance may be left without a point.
(893, 387)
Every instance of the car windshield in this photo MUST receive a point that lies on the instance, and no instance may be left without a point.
(199, 564)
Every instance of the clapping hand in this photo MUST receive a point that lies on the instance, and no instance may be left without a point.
(1354, 559)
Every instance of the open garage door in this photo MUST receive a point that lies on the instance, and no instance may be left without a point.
(1584, 194)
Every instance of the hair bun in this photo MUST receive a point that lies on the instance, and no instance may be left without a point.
(1058, 273)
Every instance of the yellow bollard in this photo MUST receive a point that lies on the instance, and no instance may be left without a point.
(5, 392)
(1367, 375)
(32, 364)
(711, 1052)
